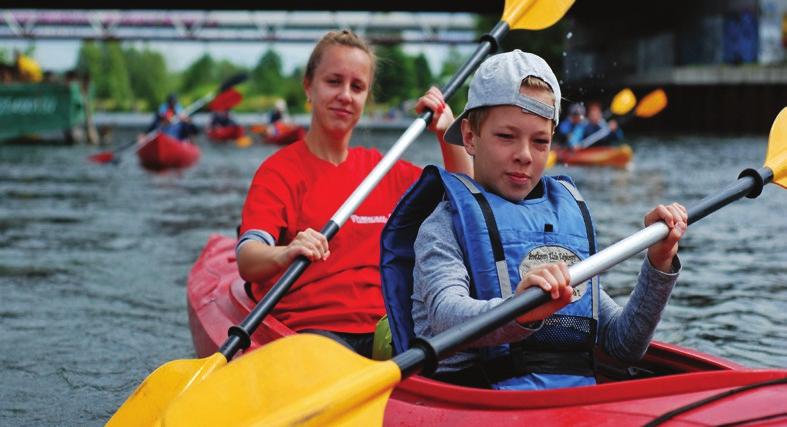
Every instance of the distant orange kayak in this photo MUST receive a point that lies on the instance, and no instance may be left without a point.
(618, 157)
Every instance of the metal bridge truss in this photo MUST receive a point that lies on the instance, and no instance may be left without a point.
(236, 26)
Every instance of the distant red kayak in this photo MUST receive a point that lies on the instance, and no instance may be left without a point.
(618, 157)
(286, 133)
(166, 152)
(667, 379)
(225, 133)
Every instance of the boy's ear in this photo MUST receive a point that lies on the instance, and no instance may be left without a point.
(468, 137)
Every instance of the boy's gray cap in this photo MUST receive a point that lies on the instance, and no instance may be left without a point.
(497, 82)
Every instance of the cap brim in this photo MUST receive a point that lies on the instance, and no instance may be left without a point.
(453, 135)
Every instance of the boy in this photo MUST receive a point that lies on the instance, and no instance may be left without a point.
(456, 247)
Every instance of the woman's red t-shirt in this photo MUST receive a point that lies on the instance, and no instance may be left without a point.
(294, 190)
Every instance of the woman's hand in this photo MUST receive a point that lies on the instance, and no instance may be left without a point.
(309, 243)
(443, 116)
(552, 278)
(676, 217)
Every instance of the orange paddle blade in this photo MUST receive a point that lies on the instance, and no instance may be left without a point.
(651, 104)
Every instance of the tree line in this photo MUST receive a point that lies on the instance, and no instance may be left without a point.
(125, 78)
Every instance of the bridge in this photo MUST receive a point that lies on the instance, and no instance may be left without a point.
(236, 26)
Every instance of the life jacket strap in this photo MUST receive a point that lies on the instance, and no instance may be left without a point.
(504, 281)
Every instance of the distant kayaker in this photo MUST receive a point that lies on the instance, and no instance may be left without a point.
(482, 239)
(575, 119)
(171, 119)
(596, 131)
(221, 119)
(278, 120)
(297, 190)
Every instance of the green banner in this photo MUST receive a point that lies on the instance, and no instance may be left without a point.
(29, 108)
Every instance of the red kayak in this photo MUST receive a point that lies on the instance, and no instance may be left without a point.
(618, 157)
(225, 133)
(166, 152)
(286, 133)
(667, 379)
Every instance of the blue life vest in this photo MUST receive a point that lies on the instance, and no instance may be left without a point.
(501, 240)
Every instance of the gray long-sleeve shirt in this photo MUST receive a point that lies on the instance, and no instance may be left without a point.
(441, 298)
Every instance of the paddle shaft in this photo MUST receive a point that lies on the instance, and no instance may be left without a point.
(603, 132)
(240, 335)
(425, 352)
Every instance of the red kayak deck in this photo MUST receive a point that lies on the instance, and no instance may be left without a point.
(166, 152)
(618, 157)
(225, 133)
(668, 377)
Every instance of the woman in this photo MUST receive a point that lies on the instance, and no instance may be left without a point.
(297, 190)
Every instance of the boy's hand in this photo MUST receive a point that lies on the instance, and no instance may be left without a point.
(552, 278)
(443, 116)
(676, 217)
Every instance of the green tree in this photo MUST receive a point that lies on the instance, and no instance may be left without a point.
(225, 69)
(198, 74)
(293, 92)
(117, 85)
(89, 61)
(148, 75)
(451, 65)
(266, 76)
(396, 80)
(422, 74)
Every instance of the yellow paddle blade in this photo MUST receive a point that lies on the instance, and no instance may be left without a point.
(165, 384)
(534, 14)
(551, 160)
(243, 141)
(651, 104)
(623, 102)
(776, 159)
(302, 379)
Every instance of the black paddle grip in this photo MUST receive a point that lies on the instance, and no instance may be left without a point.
(749, 184)
(425, 351)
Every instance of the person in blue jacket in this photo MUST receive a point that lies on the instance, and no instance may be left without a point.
(170, 119)
(457, 246)
(596, 131)
(575, 119)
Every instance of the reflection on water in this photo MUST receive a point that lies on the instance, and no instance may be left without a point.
(94, 259)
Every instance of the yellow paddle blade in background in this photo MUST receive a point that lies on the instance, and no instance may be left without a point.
(651, 104)
(623, 102)
(243, 141)
(534, 14)
(776, 159)
(302, 379)
(146, 404)
(551, 160)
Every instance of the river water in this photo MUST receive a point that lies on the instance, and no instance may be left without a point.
(94, 259)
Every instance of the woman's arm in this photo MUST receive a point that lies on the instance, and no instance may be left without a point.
(258, 260)
(455, 158)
